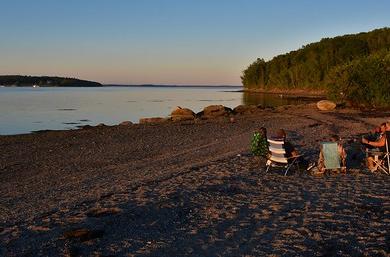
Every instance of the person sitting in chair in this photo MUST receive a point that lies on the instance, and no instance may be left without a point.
(259, 144)
(290, 149)
(375, 147)
(341, 152)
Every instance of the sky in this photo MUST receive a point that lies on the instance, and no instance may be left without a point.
(181, 42)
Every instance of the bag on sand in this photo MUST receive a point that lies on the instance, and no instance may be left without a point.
(259, 145)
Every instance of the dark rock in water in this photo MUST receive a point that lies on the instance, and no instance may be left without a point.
(153, 120)
(83, 234)
(66, 109)
(214, 111)
(101, 125)
(41, 131)
(71, 123)
(182, 114)
(126, 123)
(228, 110)
(85, 127)
(199, 114)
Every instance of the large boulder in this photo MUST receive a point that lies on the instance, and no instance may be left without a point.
(245, 109)
(181, 114)
(153, 120)
(214, 111)
(326, 105)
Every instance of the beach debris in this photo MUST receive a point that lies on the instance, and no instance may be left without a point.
(126, 123)
(153, 120)
(38, 228)
(326, 105)
(182, 114)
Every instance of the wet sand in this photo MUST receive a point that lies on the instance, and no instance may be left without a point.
(184, 189)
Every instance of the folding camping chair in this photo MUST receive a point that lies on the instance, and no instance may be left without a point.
(331, 156)
(277, 156)
(382, 160)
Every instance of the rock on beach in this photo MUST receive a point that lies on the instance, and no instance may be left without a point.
(245, 109)
(153, 120)
(182, 114)
(213, 111)
(126, 123)
(326, 105)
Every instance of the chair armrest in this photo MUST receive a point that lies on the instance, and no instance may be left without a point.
(294, 157)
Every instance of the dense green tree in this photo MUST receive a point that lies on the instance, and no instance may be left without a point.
(309, 67)
(363, 82)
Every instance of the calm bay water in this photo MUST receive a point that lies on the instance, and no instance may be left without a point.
(30, 109)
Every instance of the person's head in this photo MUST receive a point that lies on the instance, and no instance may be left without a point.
(263, 131)
(334, 138)
(382, 127)
(280, 133)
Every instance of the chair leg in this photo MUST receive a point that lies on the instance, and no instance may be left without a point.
(388, 164)
(268, 166)
(380, 165)
(287, 170)
(290, 165)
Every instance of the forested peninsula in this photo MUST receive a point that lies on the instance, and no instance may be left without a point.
(351, 68)
(45, 81)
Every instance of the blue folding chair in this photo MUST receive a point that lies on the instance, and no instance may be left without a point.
(331, 155)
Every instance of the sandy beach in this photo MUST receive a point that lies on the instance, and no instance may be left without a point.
(190, 189)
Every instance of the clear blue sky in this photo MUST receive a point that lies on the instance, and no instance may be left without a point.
(168, 41)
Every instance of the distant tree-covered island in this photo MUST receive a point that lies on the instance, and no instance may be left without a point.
(44, 81)
(353, 68)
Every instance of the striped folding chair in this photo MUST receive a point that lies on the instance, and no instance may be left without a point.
(277, 156)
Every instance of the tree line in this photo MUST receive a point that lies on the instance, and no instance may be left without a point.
(45, 81)
(333, 65)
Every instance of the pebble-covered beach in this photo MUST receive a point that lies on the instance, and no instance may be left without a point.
(191, 188)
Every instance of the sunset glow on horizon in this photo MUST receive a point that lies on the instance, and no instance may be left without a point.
(181, 42)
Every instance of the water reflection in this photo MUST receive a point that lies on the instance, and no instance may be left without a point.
(26, 109)
(273, 100)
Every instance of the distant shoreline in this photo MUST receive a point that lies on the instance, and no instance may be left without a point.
(173, 86)
(44, 81)
(295, 92)
(152, 86)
